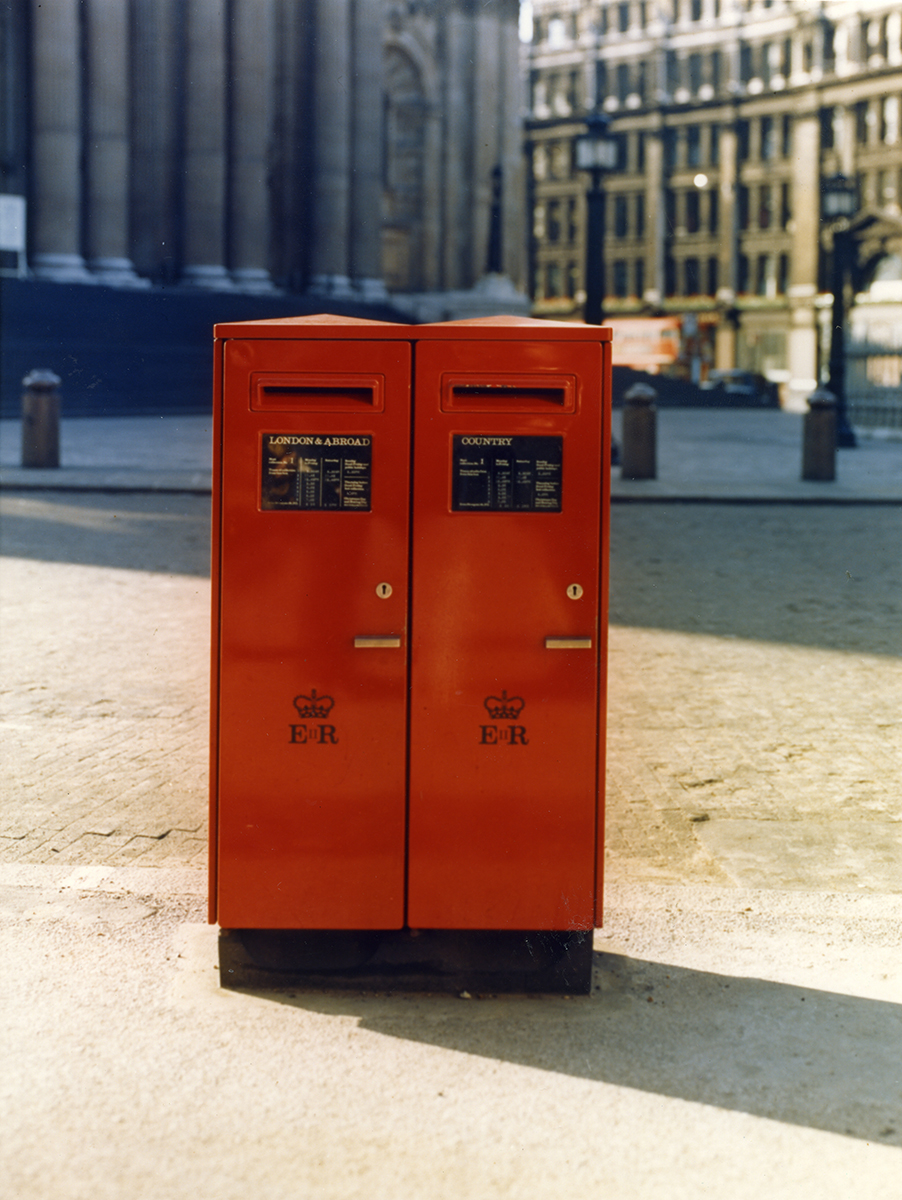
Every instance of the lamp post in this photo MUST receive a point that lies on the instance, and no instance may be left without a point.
(596, 151)
(839, 202)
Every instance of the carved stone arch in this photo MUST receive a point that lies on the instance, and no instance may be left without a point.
(407, 170)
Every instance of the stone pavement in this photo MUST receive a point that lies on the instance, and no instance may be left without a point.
(708, 454)
(748, 988)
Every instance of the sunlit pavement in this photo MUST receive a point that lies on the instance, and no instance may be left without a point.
(748, 984)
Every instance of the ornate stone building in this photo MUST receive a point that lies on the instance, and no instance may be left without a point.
(345, 147)
(728, 116)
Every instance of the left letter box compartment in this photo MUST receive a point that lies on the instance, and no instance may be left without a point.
(314, 564)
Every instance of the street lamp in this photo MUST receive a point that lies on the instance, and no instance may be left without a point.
(839, 202)
(596, 151)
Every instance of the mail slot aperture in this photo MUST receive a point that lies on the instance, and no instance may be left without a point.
(316, 393)
(519, 393)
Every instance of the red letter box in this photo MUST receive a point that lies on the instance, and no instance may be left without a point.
(409, 649)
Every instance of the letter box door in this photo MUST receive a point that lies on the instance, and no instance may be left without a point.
(509, 450)
(312, 713)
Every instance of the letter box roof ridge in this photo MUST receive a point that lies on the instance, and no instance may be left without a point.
(329, 325)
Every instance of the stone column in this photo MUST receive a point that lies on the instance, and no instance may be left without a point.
(654, 208)
(727, 250)
(513, 232)
(802, 348)
(365, 216)
(330, 263)
(156, 127)
(252, 113)
(457, 149)
(107, 146)
(56, 144)
(205, 146)
(486, 113)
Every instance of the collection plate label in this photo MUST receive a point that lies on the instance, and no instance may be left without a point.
(317, 471)
(507, 473)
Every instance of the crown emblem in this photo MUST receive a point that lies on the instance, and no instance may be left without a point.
(313, 707)
(504, 707)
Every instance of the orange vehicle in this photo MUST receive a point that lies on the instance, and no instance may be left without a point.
(410, 619)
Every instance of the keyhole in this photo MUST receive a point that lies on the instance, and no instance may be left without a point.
(574, 591)
(383, 590)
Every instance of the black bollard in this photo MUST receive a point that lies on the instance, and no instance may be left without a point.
(41, 419)
(819, 437)
(638, 454)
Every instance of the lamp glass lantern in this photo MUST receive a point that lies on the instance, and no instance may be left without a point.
(839, 198)
(596, 150)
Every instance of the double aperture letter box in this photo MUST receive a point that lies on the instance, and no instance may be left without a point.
(409, 648)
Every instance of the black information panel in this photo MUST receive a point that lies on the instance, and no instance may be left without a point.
(507, 474)
(318, 471)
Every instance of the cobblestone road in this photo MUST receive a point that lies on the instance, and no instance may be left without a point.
(754, 689)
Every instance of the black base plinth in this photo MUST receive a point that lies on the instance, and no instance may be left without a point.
(406, 960)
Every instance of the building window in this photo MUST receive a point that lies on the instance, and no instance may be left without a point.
(639, 227)
(765, 209)
(768, 139)
(572, 280)
(861, 122)
(693, 146)
(786, 139)
(714, 146)
(623, 147)
(829, 44)
(641, 80)
(640, 152)
(670, 210)
(713, 210)
(785, 205)
(573, 98)
(557, 32)
(742, 205)
(692, 212)
(715, 68)
(742, 282)
(783, 275)
(786, 58)
(621, 219)
(572, 223)
(672, 69)
(745, 63)
(761, 271)
(693, 278)
(670, 286)
(601, 82)
(695, 72)
(623, 82)
(554, 220)
(639, 276)
(623, 17)
(669, 139)
(889, 131)
(827, 135)
(695, 10)
(712, 276)
(553, 281)
(743, 140)
(621, 284)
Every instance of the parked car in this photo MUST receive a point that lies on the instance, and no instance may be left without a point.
(744, 389)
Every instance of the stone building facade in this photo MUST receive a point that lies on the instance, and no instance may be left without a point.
(728, 115)
(346, 147)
